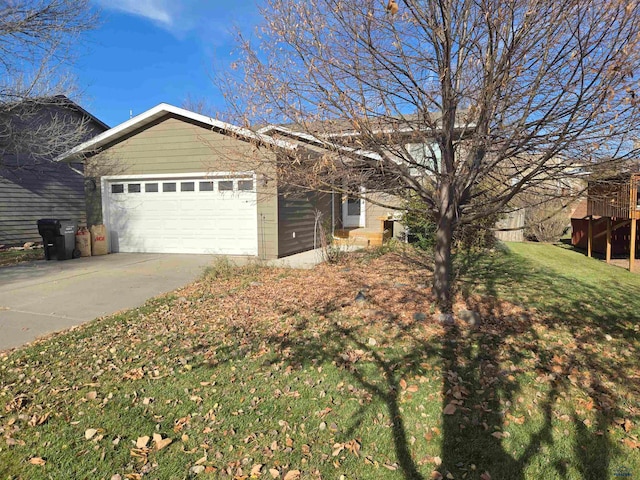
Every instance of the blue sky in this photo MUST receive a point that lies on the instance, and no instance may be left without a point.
(149, 51)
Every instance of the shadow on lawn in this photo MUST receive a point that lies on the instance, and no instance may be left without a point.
(483, 369)
(592, 318)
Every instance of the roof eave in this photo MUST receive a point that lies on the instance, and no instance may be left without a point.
(99, 141)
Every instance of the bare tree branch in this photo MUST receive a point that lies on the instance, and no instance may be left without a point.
(505, 96)
(38, 40)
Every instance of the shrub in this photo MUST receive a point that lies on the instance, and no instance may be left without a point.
(546, 222)
(422, 229)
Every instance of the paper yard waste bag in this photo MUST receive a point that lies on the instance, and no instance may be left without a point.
(83, 242)
(98, 240)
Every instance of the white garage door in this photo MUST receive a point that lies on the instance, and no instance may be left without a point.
(215, 215)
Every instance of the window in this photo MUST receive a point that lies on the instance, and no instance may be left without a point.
(245, 185)
(151, 187)
(206, 186)
(133, 188)
(225, 186)
(169, 187)
(426, 154)
(117, 188)
(353, 206)
(187, 187)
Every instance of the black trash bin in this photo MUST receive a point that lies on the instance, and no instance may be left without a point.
(58, 238)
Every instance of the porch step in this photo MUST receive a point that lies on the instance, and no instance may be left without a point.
(358, 237)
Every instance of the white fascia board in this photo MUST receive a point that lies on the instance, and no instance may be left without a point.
(164, 176)
(307, 137)
(157, 112)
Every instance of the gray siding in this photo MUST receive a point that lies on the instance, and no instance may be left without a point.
(297, 221)
(41, 190)
(32, 188)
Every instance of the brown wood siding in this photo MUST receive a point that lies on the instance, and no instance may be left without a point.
(620, 235)
(609, 199)
(173, 145)
(297, 225)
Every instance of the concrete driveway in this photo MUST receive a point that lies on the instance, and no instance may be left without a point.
(41, 297)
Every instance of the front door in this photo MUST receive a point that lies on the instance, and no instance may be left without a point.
(353, 212)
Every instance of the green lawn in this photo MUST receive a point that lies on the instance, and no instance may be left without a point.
(265, 373)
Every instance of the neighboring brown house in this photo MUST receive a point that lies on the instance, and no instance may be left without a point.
(606, 222)
(32, 186)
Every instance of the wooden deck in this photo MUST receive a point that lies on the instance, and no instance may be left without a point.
(614, 199)
(359, 237)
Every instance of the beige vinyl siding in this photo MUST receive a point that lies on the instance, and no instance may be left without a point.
(374, 212)
(297, 226)
(175, 145)
(267, 219)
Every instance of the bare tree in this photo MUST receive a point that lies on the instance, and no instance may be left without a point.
(37, 41)
(198, 105)
(500, 95)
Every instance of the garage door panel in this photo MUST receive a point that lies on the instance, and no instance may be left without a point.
(182, 222)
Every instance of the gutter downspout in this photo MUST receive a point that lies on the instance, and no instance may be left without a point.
(333, 214)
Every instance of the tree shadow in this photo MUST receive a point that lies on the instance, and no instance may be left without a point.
(508, 352)
(573, 364)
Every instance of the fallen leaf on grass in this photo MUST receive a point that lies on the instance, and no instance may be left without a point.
(292, 475)
(89, 433)
(37, 461)
(450, 409)
(256, 470)
(485, 476)
(274, 473)
(435, 475)
(141, 442)
(160, 442)
(39, 420)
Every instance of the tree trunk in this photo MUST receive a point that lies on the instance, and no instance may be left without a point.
(442, 270)
(444, 238)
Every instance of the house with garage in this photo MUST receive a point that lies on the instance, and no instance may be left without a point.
(32, 185)
(173, 181)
